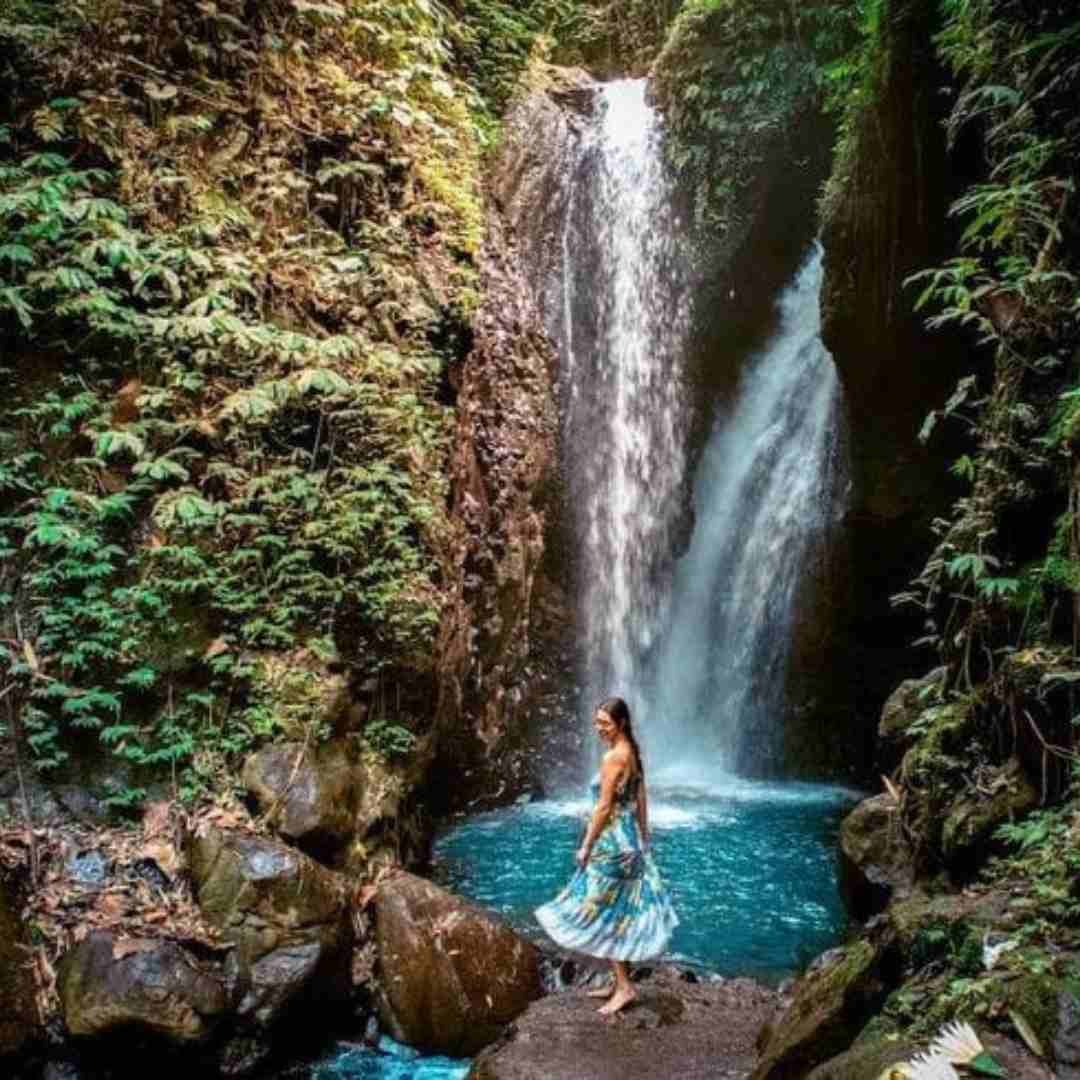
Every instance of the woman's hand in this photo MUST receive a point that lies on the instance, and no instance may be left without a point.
(581, 857)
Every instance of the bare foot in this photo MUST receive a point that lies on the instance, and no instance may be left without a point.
(620, 1000)
(601, 991)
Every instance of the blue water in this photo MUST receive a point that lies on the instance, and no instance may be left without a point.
(752, 867)
(389, 1061)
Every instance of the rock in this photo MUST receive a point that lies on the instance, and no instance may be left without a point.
(287, 915)
(874, 859)
(894, 370)
(82, 804)
(311, 794)
(1067, 1037)
(451, 975)
(675, 1029)
(505, 488)
(61, 1070)
(901, 709)
(88, 868)
(107, 983)
(864, 1061)
(18, 1015)
(829, 1007)
(968, 832)
(1017, 1061)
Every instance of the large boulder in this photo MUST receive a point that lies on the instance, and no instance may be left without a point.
(108, 982)
(18, 1014)
(676, 1028)
(451, 975)
(310, 794)
(974, 817)
(830, 1005)
(287, 916)
(875, 861)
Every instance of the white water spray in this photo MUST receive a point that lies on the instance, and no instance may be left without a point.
(766, 496)
(624, 403)
(699, 645)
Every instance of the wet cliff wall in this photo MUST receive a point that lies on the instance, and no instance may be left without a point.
(751, 134)
(884, 218)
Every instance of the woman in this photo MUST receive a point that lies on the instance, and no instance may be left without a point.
(615, 906)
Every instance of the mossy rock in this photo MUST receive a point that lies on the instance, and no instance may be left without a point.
(287, 916)
(830, 1005)
(108, 983)
(866, 1060)
(874, 859)
(1036, 998)
(929, 771)
(912, 914)
(904, 706)
(973, 818)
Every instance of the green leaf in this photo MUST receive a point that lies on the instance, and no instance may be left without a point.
(113, 442)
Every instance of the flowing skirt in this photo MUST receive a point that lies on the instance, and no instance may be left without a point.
(616, 907)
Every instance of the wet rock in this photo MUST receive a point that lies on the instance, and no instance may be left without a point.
(830, 1005)
(61, 1070)
(18, 1016)
(892, 368)
(875, 861)
(287, 916)
(674, 1029)
(107, 983)
(973, 818)
(310, 794)
(451, 976)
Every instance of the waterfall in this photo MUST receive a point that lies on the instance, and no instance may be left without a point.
(625, 318)
(768, 490)
(698, 644)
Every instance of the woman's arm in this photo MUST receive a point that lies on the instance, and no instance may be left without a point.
(610, 768)
(643, 812)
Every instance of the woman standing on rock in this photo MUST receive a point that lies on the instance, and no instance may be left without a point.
(615, 907)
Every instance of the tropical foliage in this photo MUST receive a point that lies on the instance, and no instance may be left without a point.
(234, 257)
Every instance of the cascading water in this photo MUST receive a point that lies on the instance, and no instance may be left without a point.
(622, 333)
(698, 643)
(768, 490)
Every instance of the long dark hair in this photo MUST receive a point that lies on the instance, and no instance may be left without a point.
(619, 711)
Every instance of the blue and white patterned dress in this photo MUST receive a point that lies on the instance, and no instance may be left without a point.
(615, 907)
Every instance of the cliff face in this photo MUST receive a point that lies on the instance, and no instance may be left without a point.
(506, 651)
(884, 217)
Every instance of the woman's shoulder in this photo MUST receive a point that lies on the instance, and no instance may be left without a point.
(618, 760)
